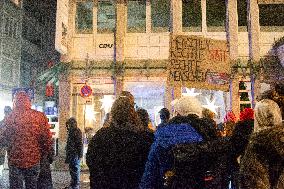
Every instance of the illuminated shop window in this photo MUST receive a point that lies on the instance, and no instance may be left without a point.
(84, 17)
(149, 95)
(242, 15)
(191, 16)
(160, 15)
(106, 16)
(90, 111)
(216, 15)
(136, 16)
(271, 17)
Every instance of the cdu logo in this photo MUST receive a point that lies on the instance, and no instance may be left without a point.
(104, 46)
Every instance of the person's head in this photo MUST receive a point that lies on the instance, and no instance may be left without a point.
(267, 114)
(187, 105)
(123, 114)
(164, 114)
(7, 110)
(22, 100)
(230, 117)
(144, 116)
(71, 123)
(206, 113)
(127, 94)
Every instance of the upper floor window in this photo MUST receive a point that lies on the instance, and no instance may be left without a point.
(191, 16)
(160, 15)
(106, 16)
(84, 17)
(10, 26)
(136, 16)
(242, 15)
(216, 15)
(271, 17)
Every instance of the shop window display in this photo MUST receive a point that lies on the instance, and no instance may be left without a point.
(219, 99)
(90, 111)
(148, 95)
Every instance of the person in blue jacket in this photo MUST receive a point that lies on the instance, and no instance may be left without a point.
(185, 127)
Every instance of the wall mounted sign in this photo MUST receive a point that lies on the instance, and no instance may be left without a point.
(104, 46)
(86, 91)
(198, 62)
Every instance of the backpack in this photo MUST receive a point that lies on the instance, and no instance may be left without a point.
(201, 165)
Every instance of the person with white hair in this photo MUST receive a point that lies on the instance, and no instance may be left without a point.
(185, 128)
(262, 164)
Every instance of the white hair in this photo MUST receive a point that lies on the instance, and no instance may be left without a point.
(267, 114)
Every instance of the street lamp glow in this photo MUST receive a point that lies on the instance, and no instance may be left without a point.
(107, 102)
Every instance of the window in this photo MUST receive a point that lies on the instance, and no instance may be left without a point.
(242, 15)
(271, 17)
(136, 16)
(191, 15)
(216, 15)
(7, 71)
(160, 15)
(106, 16)
(84, 17)
(7, 25)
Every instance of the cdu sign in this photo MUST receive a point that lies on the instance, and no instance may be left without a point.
(104, 46)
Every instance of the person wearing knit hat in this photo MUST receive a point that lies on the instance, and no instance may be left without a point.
(186, 127)
(267, 114)
(262, 163)
(188, 105)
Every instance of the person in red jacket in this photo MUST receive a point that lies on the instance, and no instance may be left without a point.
(28, 138)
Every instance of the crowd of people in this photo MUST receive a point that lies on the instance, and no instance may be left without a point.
(186, 150)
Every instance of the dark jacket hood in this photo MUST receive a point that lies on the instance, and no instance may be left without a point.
(271, 139)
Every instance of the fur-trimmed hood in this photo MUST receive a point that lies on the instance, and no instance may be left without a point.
(262, 164)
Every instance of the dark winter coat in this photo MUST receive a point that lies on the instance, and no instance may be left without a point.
(180, 130)
(263, 162)
(74, 146)
(116, 158)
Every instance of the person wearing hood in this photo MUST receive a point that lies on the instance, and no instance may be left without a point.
(185, 127)
(164, 116)
(117, 154)
(28, 138)
(74, 152)
(7, 111)
(262, 164)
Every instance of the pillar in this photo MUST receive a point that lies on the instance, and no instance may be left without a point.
(176, 16)
(120, 29)
(64, 114)
(232, 38)
(148, 16)
(175, 29)
(204, 17)
(254, 42)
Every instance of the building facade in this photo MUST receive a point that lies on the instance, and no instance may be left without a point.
(10, 50)
(124, 45)
(38, 49)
